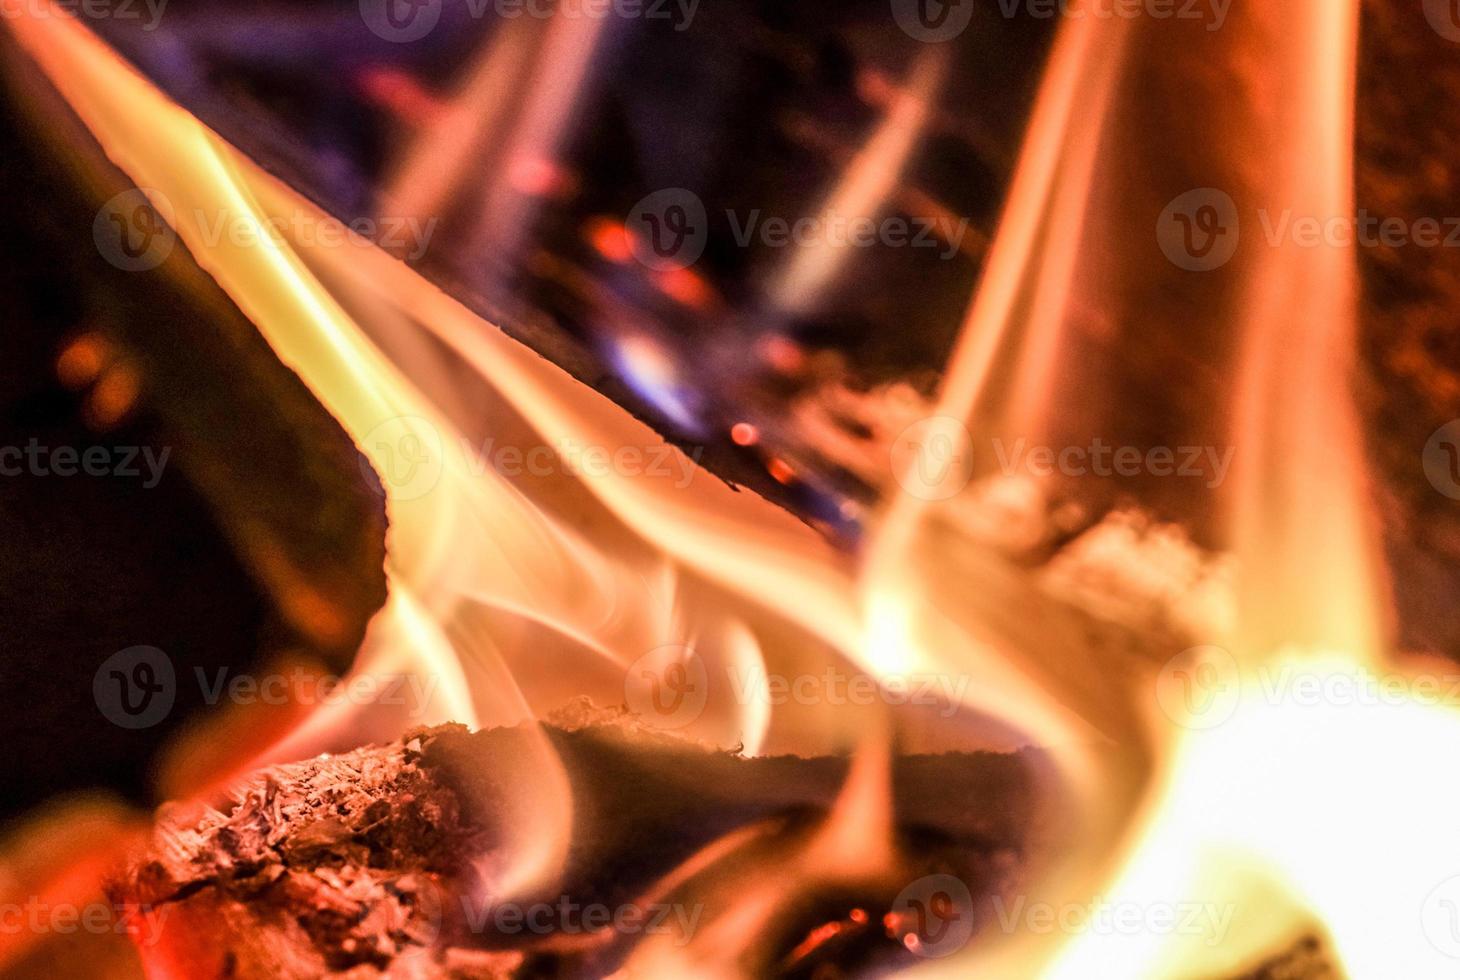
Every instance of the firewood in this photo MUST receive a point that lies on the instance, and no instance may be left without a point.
(358, 864)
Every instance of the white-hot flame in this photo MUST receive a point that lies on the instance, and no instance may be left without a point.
(1276, 818)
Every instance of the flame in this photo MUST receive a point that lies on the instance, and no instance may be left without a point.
(489, 585)
(431, 580)
(1282, 819)
(1239, 826)
(866, 186)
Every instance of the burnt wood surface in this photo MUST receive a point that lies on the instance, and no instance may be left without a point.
(358, 864)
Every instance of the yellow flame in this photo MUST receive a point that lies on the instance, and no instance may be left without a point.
(160, 146)
(1282, 816)
(1286, 812)
(593, 562)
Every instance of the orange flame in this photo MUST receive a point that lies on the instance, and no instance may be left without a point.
(1281, 818)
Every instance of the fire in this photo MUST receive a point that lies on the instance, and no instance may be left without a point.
(869, 180)
(1253, 814)
(1277, 818)
(489, 587)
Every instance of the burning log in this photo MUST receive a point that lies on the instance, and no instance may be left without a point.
(361, 864)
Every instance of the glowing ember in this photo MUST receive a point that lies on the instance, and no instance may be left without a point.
(744, 434)
(1203, 795)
